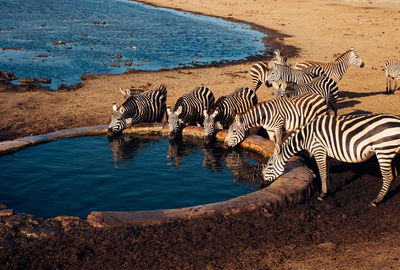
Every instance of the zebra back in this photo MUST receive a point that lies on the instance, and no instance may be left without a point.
(338, 67)
(287, 74)
(276, 116)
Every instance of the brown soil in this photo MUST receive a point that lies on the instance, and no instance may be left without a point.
(341, 232)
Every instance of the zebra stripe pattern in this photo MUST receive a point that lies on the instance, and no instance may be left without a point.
(347, 138)
(259, 71)
(392, 71)
(274, 116)
(322, 85)
(226, 107)
(189, 109)
(148, 106)
(337, 68)
(281, 73)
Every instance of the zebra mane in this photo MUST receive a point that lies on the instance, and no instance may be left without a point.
(343, 55)
(140, 92)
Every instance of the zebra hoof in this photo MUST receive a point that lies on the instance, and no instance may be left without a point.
(321, 197)
(372, 204)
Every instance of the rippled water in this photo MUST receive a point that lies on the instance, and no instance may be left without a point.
(77, 175)
(63, 40)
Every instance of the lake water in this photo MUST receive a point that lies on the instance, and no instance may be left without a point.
(63, 40)
(77, 175)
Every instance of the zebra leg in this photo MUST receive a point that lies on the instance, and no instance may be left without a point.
(385, 164)
(320, 158)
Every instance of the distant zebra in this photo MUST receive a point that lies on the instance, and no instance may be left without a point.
(281, 73)
(337, 68)
(392, 71)
(189, 109)
(276, 116)
(322, 85)
(148, 106)
(225, 109)
(348, 138)
(259, 71)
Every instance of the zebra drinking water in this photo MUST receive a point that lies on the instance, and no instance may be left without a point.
(276, 116)
(338, 67)
(322, 85)
(189, 109)
(347, 138)
(148, 106)
(392, 71)
(225, 109)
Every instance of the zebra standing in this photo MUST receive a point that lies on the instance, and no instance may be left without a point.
(348, 138)
(274, 116)
(325, 86)
(259, 71)
(281, 73)
(337, 68)
(148, 106)
(392, 71)
(225, 109)
(189, 109)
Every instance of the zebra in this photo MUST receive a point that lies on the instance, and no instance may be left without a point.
(189, 109)
(281, 73)
(347, 138)
(276, 115)
(392, 71)
(325, 86)
(338, 67)
(148, 106)
(225, 109)
(259, 71)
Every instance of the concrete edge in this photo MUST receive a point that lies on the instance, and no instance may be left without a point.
(295, 186)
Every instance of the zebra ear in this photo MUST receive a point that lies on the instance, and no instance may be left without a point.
(124, 92)
(168, 110)
(179, 110)
(277, 52)
(115, 107)
(277, 149)
(205, 113)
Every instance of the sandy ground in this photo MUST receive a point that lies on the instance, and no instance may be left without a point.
(321, 30)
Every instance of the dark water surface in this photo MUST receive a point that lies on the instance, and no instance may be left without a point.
(77, 175)
(63, 40)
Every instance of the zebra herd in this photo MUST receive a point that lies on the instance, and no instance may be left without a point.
(298, 112)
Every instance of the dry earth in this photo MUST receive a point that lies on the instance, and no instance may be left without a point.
(339, 233)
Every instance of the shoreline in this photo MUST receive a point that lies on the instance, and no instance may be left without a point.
(270, 42)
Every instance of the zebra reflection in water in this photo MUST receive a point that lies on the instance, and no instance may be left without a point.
(216, 159)
(125, 148)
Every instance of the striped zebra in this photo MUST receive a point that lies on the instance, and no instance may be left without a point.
(148, 106)
(276, 116)
(347, 138)
(281, 73)
(392, 71)
(127, 93)
(259, 71)
(189, 109)
(337, 68)
(325, 86)
(225, 109)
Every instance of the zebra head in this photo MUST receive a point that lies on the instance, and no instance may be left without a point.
(274, 74)
(209, 123)
(278, 58)
(174, 122)
(118, 121)
(274, 167)
(236, 132)
(355, 59)
(280, 89)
